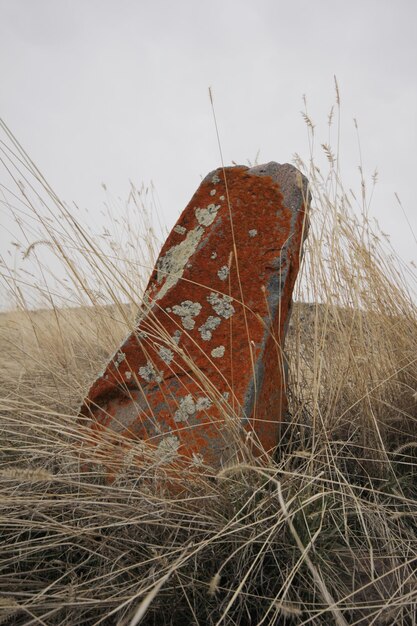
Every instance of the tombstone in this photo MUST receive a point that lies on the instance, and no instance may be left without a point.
(203, 374)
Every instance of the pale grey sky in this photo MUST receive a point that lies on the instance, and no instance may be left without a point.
(112, 90)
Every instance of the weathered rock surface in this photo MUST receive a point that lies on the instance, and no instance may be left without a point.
(204, 367)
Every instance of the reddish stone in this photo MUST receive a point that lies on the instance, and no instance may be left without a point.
(204, 367)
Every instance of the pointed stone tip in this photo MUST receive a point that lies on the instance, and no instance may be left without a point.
(283, 174)
(290, 180)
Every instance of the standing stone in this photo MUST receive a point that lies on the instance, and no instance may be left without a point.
(204, 368)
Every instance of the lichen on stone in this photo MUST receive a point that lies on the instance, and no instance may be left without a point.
(203, 403)
(187, 310)
(168, 448)
(205, 217)
(189, 407)
(217, 353)
(207, 328)
(171, 266)
(119, 357)
(176, 336)
(181, 230)
(223, 272)
(166, 354)
(197, 459)
(149, 373)
(186, 409)
(253, 232)
(222, 304)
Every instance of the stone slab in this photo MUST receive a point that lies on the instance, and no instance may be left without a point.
(204, 367)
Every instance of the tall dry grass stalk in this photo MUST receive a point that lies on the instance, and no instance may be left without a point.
(324, 533)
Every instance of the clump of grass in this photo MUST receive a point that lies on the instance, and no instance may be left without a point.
(323, 533)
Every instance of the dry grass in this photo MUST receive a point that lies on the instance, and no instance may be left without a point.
(325, 533)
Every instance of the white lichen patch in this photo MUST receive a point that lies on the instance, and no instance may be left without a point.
(149, 373)
(186, 409)
(226, 395)
(207, 328)
(181, 230)
(189, 407)
(213, 192)
(217, 353)
(198, 459)
(128, 375)
(119, 357)
(187, 310)
(205, 217)
(223, 272)
(141, 334)
(203, 403)
(176, 336)
(166, 354)
(253, 232)
(213, 255)
(168, 448)
(222, 304)
(172, 265)
(221, 198)
(215, 179)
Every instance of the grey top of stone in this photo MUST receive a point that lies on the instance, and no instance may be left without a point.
(285, 175)
(288, 177)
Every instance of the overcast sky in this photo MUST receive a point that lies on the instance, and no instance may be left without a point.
(111, 90)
